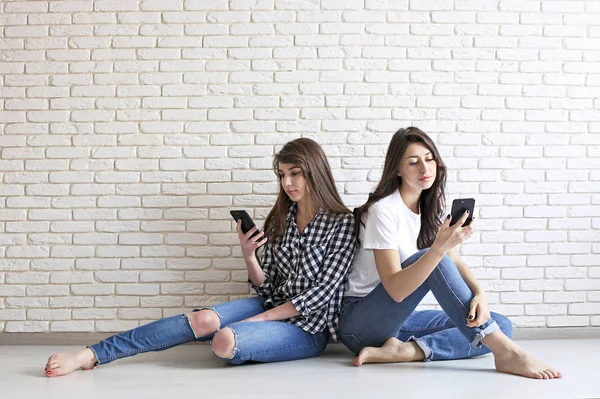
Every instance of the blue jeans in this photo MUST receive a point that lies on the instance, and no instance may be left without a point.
(267, 341)
(442, 335)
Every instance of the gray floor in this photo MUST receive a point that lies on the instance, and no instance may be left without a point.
(190, 371)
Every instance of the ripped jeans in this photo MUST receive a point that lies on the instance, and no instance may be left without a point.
(442, 335)
(266, 341)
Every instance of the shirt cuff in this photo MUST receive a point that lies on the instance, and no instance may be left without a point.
(300, 306)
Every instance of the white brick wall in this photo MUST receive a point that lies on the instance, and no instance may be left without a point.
(128, 129)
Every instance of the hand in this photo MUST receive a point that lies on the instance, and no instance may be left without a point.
(479, 312)
(450, 236)
(249, 245)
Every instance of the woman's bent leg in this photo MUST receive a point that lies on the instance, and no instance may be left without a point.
(373, 319)
(439, 338)
(265, 342)
(454, 296)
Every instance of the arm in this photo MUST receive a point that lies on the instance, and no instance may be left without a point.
(400, 283)
(333, 271)
(259, 277)
(281, 312)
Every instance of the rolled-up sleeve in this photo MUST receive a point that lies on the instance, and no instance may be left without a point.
(333, 271)
(268, 268)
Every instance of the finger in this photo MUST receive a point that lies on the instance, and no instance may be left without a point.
(463, 219)
(238, 226)
(470, 228)
(478, 321)
(250, 232)
(259, 244)
(447, 222)
(472, 311)
(256, 237)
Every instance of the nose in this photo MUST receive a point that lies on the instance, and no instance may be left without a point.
(286, 181)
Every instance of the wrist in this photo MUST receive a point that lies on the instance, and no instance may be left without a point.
(261, 317)
(437, 250)
(250, 258)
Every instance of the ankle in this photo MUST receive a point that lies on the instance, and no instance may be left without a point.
(89, 357)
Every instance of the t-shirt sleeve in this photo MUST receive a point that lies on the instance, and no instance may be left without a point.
(380, 229)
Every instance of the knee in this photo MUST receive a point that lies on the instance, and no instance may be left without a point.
(504, 323)
(223, 343)
(204, 322)
(446, 263)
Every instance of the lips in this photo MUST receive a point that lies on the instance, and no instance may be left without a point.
(425, 178)
(291, 192)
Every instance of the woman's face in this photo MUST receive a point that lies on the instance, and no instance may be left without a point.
(418, 168)
(293, 181)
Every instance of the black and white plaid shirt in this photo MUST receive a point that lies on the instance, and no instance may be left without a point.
(310, 270)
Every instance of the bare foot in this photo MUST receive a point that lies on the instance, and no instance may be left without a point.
(518, 362)
(392, 351)
(64, 363)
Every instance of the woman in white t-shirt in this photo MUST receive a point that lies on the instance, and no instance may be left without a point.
(402, 225)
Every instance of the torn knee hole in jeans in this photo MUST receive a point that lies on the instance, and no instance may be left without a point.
(234, 344)
(196, 335)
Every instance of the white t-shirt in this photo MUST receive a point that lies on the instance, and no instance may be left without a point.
(389, 224)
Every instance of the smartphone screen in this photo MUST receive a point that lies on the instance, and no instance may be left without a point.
(247, 222)
(459, 207)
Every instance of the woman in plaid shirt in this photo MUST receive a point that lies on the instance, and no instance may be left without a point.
(308, 245)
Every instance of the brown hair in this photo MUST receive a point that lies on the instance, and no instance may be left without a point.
(432, 201)
(309, 156)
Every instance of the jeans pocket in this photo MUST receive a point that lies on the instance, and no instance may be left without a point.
(351, 342)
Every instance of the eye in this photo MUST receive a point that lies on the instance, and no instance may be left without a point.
(429, 160)
(295, 173)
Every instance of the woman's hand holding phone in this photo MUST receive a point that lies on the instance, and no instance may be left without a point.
(249, 244)
(450, 236)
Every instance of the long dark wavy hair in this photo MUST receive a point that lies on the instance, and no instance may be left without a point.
(432, 202)
(309, 156)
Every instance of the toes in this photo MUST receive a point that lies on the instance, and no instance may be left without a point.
(539, 375)
(547, 375)
(558, 374)
(554, 373)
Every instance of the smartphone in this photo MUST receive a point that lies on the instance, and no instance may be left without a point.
(247, 222)
(459, 207)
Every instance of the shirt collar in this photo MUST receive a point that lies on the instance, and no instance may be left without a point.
(293, 210)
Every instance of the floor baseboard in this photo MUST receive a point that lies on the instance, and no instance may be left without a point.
(56, 338)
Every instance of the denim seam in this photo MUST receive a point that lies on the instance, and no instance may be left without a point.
(150, 349)
(429, 329)
(452, 291)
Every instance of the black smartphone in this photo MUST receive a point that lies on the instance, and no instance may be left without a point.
(459, 207)
(247, 222)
